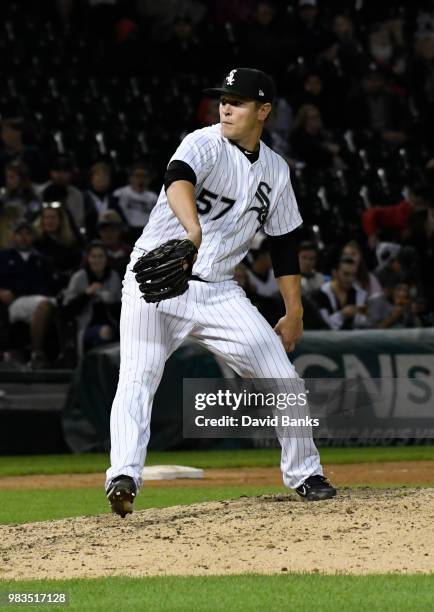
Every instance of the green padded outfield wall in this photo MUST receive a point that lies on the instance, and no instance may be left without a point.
(375, 354)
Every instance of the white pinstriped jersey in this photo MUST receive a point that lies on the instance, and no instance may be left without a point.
(234, 198)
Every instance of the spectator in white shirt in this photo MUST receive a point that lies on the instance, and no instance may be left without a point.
(341, 302)
(136, 200)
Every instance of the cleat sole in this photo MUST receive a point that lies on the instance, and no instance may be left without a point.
(121, 501)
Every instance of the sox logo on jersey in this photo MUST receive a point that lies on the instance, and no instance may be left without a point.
(264, 202)
(234, 197)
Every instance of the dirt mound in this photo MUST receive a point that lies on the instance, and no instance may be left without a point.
(361, 531)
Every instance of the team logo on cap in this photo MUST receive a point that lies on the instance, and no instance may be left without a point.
(230, 79)
(261, 93)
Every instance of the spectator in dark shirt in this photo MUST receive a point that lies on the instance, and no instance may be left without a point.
(307, 34)
(93, 298)
(27, 287)
(13, 148)
(183, 52)
(232, 11)
(394, 309)
(400, 264)
(99, 197)
(263, 282)
(56, 240)
(311, 281)
(110, 229)
(311, 143)
(423, 72)
(19, 192)
(312, 93)
(350, 50)
(337, 81)
(422, 88)
(161, 16)
(18, 200)
(60, 188)
(377, 114)
(420, 236)
(261, 43)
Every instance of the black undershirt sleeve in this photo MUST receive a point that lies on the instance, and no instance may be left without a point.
(284, 253)
(179, 170)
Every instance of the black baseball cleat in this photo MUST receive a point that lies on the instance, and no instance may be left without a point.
(316, 488)
(121, 494)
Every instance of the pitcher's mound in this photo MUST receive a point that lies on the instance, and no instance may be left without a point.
(360, 531)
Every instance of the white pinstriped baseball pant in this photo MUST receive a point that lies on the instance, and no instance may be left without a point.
(219, 317)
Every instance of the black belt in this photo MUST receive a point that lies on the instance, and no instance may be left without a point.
(197, 278)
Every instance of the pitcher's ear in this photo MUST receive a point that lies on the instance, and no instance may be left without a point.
(264, 111)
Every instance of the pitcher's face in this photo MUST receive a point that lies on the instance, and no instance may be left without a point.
(240, 117)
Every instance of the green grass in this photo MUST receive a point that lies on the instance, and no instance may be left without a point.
(240, 593)
(88, 463)
(49, 504)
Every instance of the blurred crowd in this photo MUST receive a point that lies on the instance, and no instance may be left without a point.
(64, 253)
(98, 93)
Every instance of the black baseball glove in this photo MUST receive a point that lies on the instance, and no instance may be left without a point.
(164, 272)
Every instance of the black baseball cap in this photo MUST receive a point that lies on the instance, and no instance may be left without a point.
(422, 189)
(246, 83)
(22, 224)
(109, 217)
(62, 162)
